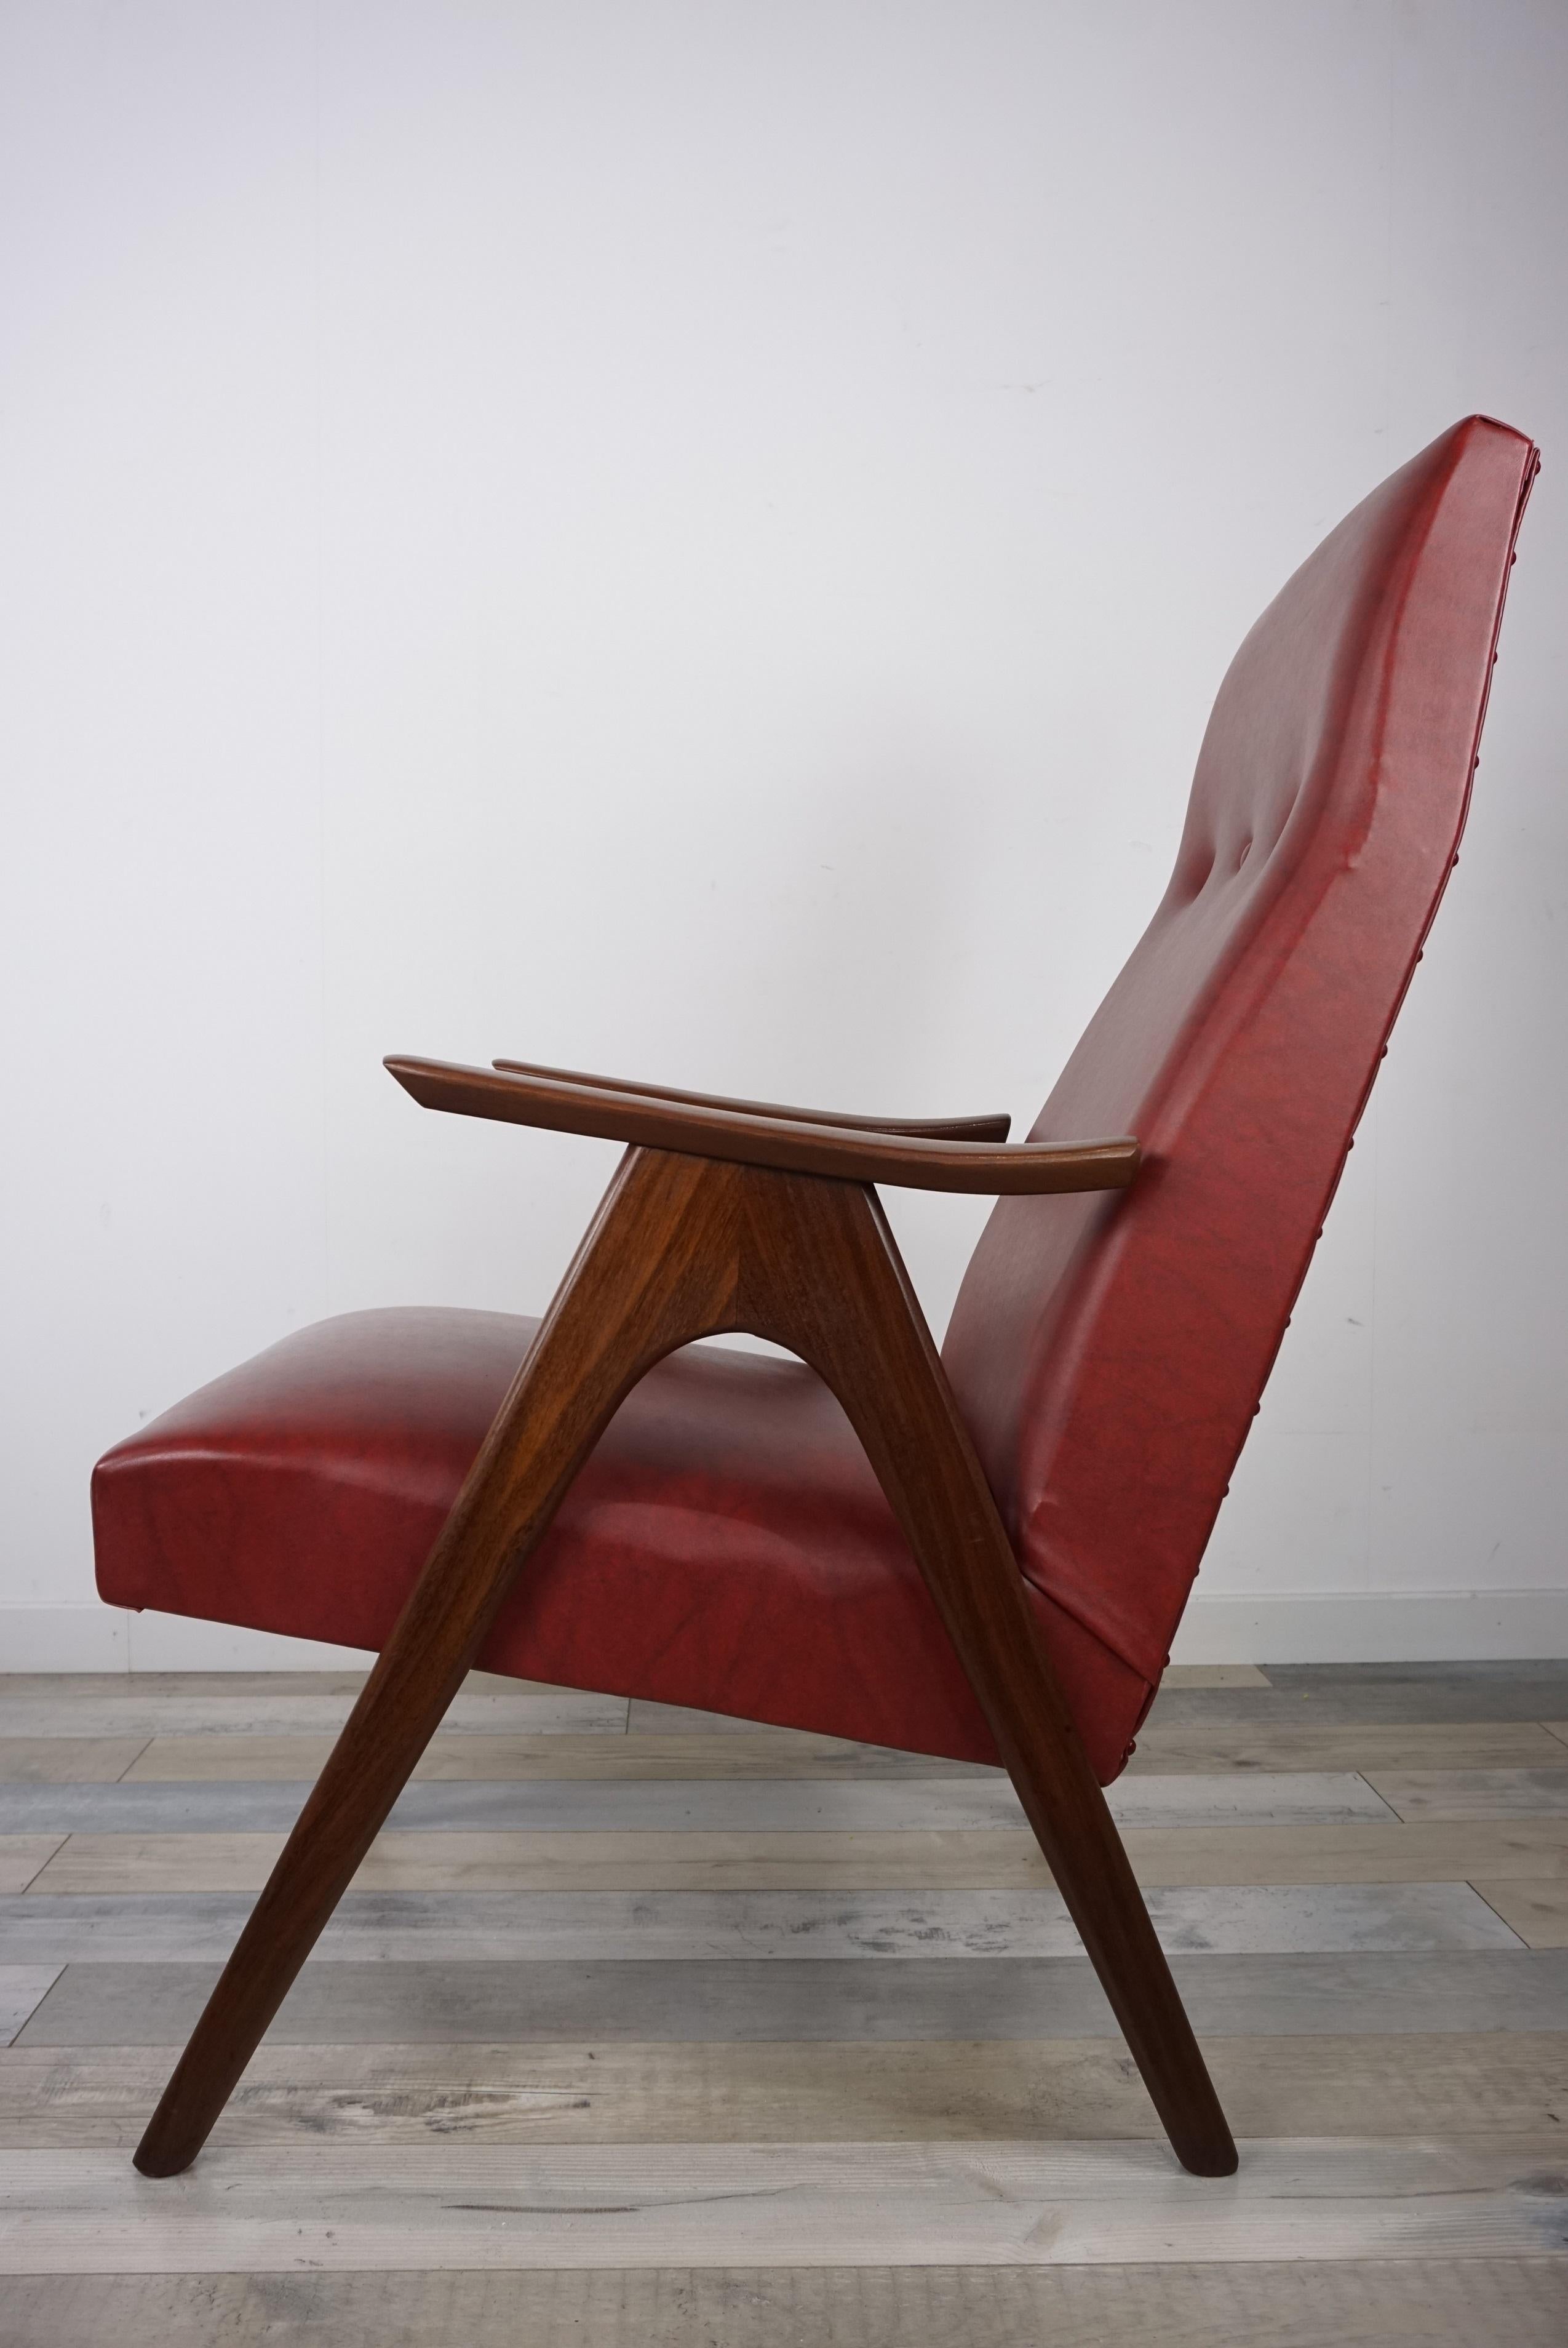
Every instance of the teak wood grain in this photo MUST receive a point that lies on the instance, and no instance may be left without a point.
(685, 1247)
(995, 1127)
(846, 1153)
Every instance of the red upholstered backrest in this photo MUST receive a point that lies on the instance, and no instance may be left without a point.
(1109, 1353)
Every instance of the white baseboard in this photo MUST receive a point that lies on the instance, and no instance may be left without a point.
(62, 1639)
(1415, 1626)
(1341, 1627)
(108, 1639)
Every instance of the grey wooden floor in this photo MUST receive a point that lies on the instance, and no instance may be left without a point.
(643, 2027)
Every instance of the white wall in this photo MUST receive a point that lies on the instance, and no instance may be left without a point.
(699, 540)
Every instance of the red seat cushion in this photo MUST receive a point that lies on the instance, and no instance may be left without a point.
(727, 1545)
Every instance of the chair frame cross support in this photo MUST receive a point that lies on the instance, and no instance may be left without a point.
(684, 1247)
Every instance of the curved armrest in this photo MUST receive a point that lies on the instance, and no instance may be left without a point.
(994, 1127)
(913, 1161)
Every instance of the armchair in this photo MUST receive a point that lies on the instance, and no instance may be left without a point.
(983, 1553)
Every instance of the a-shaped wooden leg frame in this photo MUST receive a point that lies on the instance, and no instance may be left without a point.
(685, 1248)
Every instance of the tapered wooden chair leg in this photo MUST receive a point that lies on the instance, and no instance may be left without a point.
(657, 1267)
(810, 1246)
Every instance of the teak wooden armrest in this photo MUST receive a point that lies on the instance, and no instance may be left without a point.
(994, 1127)
(749, 1137)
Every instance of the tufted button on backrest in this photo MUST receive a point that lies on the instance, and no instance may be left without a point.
(1109, 1353)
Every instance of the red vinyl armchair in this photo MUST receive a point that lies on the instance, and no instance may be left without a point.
(983, 1554)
